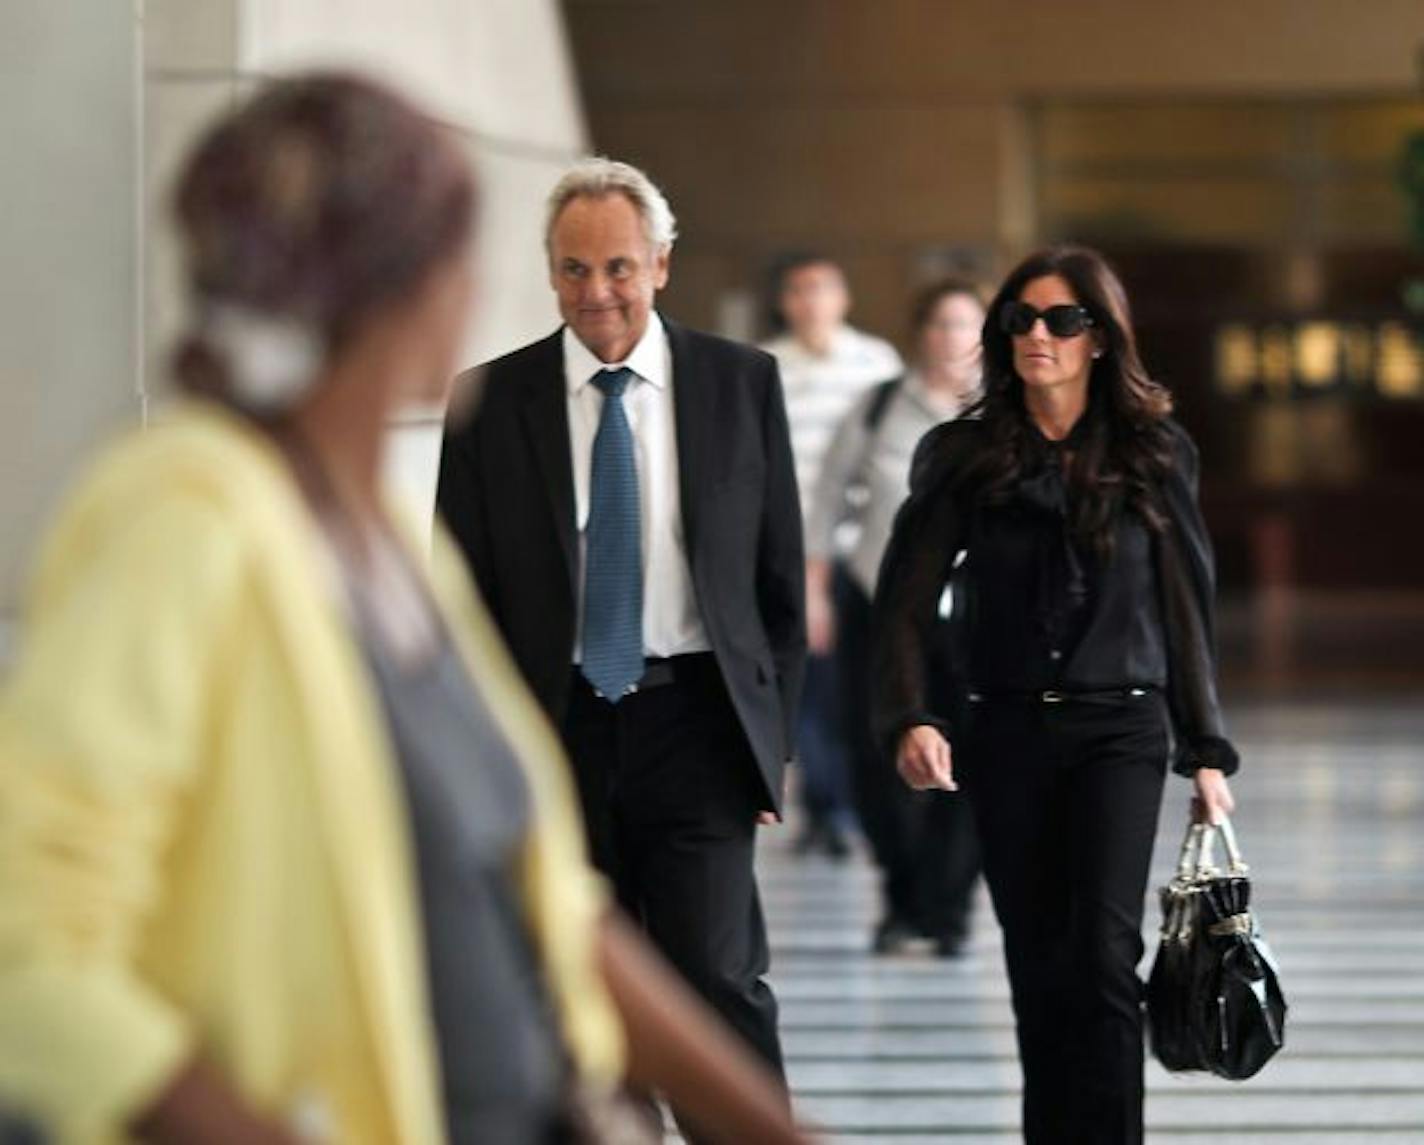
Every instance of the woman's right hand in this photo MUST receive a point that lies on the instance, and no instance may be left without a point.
(924, 759)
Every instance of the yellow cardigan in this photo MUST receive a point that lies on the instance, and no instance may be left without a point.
(203, 841)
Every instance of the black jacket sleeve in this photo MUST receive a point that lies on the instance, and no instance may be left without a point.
(781, 562)
(459, 499)
(1187, 582)
(930, 528)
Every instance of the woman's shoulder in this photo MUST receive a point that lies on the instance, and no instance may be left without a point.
(1177, 434)
(188, 487)
(1185, 459)
(946, 452)
(194, 446)
(178, 461)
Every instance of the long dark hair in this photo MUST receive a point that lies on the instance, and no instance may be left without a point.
(1123, 447)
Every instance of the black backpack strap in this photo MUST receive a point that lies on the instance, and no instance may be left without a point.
(879, 402)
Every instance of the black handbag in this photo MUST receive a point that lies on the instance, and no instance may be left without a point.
(1214, 999)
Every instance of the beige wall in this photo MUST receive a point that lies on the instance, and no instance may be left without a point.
(103, 100)
(69, 252)
(744, 51)
(906, 136)
(496, 70)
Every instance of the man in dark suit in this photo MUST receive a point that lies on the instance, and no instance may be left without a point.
(627, 499)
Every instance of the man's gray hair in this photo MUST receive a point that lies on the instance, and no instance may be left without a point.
(598, 177)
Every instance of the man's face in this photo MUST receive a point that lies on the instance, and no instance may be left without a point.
(605, 273)
(814, 300)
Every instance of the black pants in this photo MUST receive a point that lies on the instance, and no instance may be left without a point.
(670, 794)
(1067, 797)
(923, 841)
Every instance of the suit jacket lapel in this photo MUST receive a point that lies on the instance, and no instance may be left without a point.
(546, 418)
(694, 408)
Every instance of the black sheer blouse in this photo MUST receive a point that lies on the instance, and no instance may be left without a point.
(1045, 611)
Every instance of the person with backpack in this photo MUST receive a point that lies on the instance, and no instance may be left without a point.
(923, 842)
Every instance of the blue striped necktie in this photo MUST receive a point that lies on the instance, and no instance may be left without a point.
(613, 558)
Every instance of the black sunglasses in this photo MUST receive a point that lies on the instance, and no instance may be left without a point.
(1017, 318)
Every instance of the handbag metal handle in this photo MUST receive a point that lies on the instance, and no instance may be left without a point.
(1191, 848)
(1195, 862)
(1236, 865)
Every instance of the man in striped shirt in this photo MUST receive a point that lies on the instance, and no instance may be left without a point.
(826, 364)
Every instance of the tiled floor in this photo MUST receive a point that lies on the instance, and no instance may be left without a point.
(912, 1049)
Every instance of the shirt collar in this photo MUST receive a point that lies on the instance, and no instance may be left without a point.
(649, 359)
(1074, 440)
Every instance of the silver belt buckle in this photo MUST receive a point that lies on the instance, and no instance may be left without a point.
(1052, 697)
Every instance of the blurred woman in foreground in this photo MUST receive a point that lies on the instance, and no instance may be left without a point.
(286, 852)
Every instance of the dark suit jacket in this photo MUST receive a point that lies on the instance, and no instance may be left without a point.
(507, 492)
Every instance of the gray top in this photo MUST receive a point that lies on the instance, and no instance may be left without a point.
(500, 1054)
(865, 478)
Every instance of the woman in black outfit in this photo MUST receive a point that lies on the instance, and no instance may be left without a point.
(1072, 498)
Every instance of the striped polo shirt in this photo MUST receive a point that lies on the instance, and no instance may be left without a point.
(820, 388)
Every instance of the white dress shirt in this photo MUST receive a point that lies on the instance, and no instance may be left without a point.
(672, 622)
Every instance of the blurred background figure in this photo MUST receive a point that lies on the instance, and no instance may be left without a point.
(289, 853)
(826, 364)
(923, 842)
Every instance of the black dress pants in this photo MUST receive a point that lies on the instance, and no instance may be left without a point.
(923, 841)
(1067, 797)
(670, 794)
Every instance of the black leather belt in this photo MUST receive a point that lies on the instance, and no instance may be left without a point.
(659, 672)
(1053, 696)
